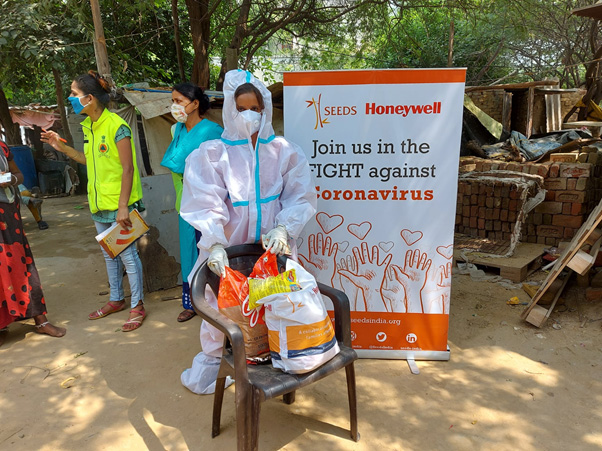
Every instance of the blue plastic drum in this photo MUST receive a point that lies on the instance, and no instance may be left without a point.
(24, 159)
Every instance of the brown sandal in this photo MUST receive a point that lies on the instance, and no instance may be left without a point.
(185, 315)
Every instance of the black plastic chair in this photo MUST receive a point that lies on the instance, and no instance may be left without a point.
(257, 383)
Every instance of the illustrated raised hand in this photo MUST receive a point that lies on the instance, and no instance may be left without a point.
(321, 258)
(353, 292)
(413, 278)
(438, 297)
(394, 293)
(369, 276)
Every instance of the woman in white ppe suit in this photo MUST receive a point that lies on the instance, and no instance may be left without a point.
(247, 184)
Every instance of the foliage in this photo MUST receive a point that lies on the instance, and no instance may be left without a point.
(509, 40)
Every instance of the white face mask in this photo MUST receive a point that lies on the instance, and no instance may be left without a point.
(251, 120)
(179, 112)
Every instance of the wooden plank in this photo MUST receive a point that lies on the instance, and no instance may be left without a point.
(538, 315)
(530, 101)
(581, 262)
(593, 237)
(526, 259)
(513, 86)
(578, 240)
(507, 111)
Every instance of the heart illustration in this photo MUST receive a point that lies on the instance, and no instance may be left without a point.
(343, 245)
(299, 242)
(360, 230)
(446, 251)
(386, 245)
(411, 237)
(329, 223)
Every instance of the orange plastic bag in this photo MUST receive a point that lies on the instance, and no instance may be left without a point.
(233, 302)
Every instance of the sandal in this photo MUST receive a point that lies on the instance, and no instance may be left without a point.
(186, 315)
(134, 322)
(113, 308)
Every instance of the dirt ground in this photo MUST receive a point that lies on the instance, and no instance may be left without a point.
(507, 386)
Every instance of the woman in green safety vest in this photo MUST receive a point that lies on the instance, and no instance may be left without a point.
(114, 187)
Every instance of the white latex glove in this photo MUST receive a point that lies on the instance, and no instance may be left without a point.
(277, 240)
(218, 260)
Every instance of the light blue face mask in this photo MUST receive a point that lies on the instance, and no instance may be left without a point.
(76, 103)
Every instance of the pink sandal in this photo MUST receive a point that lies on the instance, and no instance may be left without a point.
(114, 307)
(135, 322)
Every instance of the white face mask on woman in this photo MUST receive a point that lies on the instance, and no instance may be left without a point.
(179, 112)
(251, 120)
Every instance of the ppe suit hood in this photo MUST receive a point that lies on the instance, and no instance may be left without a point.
(233, 130)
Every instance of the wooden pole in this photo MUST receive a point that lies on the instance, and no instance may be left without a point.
(100, 45)
(450, 45)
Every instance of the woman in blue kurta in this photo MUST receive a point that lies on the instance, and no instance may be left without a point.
(189, 105)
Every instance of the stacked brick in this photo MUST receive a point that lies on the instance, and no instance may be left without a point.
(490, 211)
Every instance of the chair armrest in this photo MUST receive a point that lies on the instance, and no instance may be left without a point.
(342, 315)
(221, 322)
(232, 331)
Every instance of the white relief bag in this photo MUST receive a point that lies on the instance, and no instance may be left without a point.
(300, 332)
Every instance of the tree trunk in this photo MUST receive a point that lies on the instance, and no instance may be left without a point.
(58, 87)
(450, 47)
(240, 32)
(176, 32)
(198, 11)
(219, 84)
(13, 137)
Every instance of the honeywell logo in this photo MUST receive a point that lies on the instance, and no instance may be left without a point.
(403, 110)
(325, 113)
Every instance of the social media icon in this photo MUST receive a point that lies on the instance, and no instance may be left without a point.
(381, 336)
(353, 335)
(411, 338)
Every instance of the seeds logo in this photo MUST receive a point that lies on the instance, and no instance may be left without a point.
(323, 113)
(316, 104)
(102, 147)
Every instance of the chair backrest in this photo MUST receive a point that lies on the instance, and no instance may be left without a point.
(242, 258)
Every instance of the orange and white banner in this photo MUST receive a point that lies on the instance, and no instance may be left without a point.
(383, 147)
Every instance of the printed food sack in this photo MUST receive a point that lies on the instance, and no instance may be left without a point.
(300, 332)
(233, 302)
(282, 283)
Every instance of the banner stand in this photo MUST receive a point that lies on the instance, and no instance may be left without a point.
(383, 148)
(414, 355)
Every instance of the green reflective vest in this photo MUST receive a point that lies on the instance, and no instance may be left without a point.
(103, 163)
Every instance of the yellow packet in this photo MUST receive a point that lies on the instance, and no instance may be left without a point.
(282, 283)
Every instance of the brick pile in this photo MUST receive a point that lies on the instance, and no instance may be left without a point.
(490, 211)
(489, 208)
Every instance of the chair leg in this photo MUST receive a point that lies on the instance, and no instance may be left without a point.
(289, 398)
(218, 399)
(248, 407)
(351, 393)
(254, 423)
